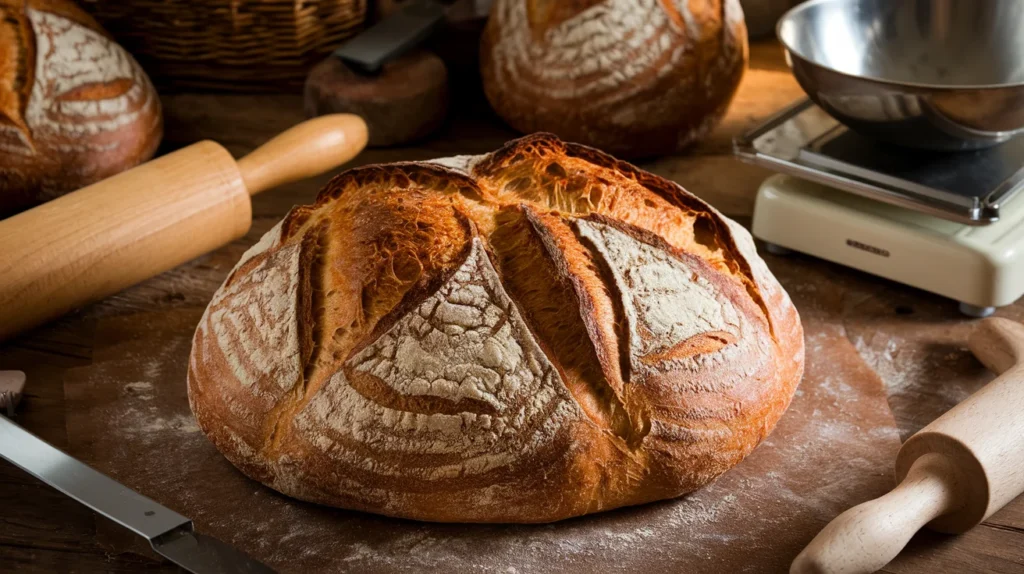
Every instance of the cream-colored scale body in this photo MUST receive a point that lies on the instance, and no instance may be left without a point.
(979, 266)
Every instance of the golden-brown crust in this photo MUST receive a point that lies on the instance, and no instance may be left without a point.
(526, 336)
(634, 78)
(74, 107)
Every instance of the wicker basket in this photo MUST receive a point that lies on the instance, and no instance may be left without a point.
(229, 44)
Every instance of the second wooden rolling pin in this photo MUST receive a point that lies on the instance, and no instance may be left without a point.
(953, 474)
(103, 238)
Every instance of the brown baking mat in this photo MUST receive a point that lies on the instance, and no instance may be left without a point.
(128, 416)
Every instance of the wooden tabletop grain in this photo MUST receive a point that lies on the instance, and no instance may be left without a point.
(914, 341)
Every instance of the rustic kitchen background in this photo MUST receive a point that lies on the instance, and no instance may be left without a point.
(105, 382)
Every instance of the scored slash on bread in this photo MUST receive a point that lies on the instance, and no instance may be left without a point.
(525, 336)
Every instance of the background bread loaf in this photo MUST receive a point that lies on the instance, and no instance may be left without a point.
(74, 107)
(525, 336)
(635, 78)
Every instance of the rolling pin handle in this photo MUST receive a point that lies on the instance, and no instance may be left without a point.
(93, 242)
(305, 150)
(866, 537)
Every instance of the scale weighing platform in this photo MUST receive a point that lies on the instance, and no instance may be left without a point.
(944, 222)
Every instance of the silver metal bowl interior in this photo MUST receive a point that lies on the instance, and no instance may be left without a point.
(939, 74)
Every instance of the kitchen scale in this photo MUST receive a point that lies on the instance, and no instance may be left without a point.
(944, 222)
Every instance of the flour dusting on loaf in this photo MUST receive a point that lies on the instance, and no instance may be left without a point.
(465, 342)
(261, 338)
(460, 163)
(73, 56)
(599, 51)
(516, 337)
(75, 109)
(666, 303)
(634, 77)
(458, 382)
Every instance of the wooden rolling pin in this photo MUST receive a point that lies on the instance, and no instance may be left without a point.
(103, 238)
(952, 474)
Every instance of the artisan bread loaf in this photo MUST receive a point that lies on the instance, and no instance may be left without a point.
(74, 107)
(634, 78)
(525, 336)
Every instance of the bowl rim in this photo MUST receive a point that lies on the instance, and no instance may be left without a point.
(808, 4)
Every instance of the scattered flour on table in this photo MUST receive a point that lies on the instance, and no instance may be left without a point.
(910, 367)
(140, 390)
(140, 422)
(889, 361)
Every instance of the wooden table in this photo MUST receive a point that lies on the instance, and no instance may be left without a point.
(914, 341)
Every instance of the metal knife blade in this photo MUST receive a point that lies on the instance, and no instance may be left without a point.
(392, 36)
(402, 31)
(201, 554)
(168, 532)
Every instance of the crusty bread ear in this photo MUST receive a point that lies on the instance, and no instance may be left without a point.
(74, 106)
(634, 78)
(534, 334)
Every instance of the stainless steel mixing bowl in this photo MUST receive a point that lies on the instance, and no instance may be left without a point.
(934, 74)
